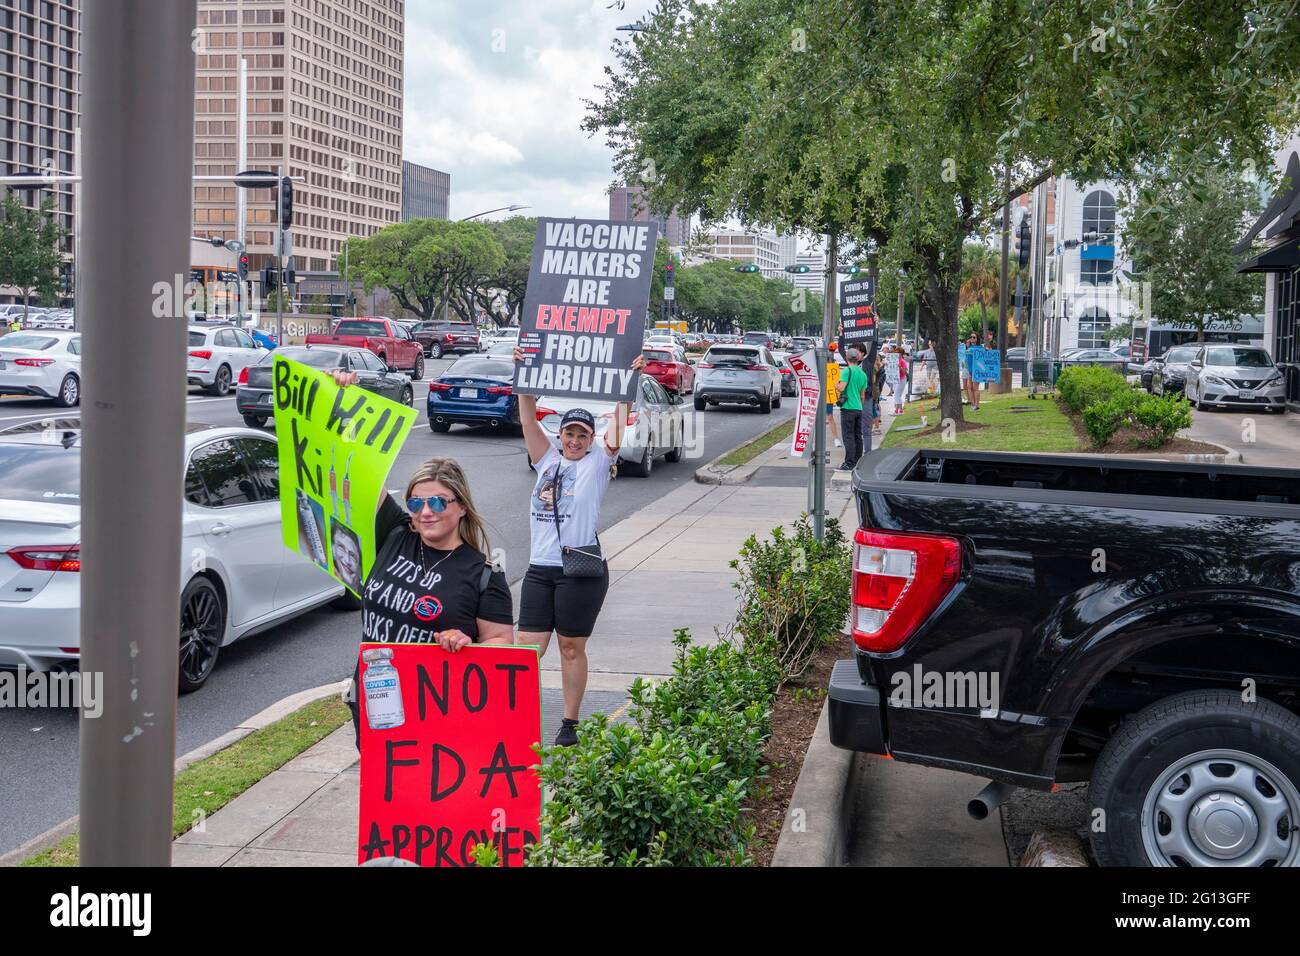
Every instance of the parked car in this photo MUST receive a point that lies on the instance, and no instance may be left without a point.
(766, 339)
(253, 392)
(1222, 375)
(264, 339)
(656, 426)
(475, 390)
(802, 343)
(1169, 372)
(44, 362)
(386, 338)
(1123, 350)
(738, 374)
(443, 338)
(218, 355)
(509, 336)
(789, 381)
(248, 581)
(1103, 357)
(1086, 619)
(669, 367)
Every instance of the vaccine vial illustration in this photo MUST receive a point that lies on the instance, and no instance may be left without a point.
(383, 690)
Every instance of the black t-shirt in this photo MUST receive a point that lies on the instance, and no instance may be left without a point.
(415, 591)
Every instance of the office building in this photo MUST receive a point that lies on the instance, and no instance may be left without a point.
(426, 192)
(40, 109)
(626, 203)
(762, 247)
(325, 103)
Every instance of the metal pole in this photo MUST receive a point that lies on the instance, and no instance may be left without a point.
(76, 225)
(279, 264)
(1004, 384)
(821, 454)
(898, 331)
(241, 195)
(138, 110)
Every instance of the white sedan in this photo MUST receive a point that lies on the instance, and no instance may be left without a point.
(246, 582)
(44, 362)
(218, 354)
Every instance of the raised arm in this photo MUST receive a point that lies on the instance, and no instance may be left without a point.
(614, 433)
(534, 437)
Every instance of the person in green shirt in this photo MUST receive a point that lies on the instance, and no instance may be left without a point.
(854, 383)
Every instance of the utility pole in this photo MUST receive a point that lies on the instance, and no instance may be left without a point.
(821, 454)
(138, 116)
(898, 330)
(1004, 385)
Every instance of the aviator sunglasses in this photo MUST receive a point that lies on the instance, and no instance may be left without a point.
(437, 504)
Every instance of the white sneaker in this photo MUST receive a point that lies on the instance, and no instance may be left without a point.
(838, 443)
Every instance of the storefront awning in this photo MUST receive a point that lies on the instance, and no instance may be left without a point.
(1283, 258)
(1286, 200)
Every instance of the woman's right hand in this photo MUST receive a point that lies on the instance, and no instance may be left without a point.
(519, 355)
(343, 379)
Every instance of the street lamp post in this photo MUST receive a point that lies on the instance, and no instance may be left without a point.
(513, 207)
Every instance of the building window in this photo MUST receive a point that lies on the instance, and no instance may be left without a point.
(1097, 271)
(1099, 213)
(1094, 323)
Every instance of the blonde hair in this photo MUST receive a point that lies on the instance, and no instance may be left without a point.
(447, 471)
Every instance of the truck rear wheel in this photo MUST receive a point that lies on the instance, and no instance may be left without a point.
(418, 372)
(1200, 779)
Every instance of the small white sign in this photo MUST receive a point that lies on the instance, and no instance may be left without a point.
(670, 293)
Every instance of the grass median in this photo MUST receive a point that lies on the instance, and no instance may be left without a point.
(1009, 422)
(207, 785)
(752, 449)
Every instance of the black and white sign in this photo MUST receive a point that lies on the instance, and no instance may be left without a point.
(585, 309)
(858, 313)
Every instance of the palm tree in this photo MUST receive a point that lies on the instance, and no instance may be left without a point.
(981, 280)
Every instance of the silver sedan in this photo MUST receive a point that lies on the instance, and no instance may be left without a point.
(1237, 375)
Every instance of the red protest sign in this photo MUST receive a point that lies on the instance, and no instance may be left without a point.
(447, 758)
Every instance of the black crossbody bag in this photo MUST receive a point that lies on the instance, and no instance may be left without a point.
(585, 562)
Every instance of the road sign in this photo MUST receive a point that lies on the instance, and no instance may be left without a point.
(670, 293)
(286, 243)
(256, 179)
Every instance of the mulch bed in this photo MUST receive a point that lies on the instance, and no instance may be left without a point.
(794, 718)
(1126, 441)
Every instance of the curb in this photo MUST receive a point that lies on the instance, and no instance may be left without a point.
(281, 708)
(1055, 847)
(715, 474)
(814, 827)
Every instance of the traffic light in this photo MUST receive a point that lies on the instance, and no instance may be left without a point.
(798, 270)
(290, 278)
(1023, 239)
(243, 266)
(669, 268)
(746, 268)
(270, 279)
(849, 270)
(286, 202)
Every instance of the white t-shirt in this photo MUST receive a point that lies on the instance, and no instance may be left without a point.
(577, 489)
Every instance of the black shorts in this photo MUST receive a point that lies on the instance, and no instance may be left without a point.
(550, 601)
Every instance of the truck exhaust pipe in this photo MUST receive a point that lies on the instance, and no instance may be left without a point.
(989, 799)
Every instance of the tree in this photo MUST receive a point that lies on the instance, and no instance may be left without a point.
(29, 249)
(515, 236)
(426, 264)
(1180, 234)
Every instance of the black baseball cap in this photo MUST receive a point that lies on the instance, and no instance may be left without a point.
(579, 416)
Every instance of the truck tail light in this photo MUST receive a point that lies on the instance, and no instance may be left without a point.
(48, 558)
(898, 581)
(201, 353)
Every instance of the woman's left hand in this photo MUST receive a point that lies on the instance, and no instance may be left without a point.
(453, 640)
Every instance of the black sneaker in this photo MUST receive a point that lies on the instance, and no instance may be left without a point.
(568, 735)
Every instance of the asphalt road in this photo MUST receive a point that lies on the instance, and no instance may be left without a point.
(38, 749)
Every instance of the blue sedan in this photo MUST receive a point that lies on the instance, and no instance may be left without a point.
(476, 390)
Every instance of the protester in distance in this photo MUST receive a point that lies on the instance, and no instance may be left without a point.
(573, 475)
(855, 386)
(968, 382)
(436, 547)
(879, 377)
(832, 392)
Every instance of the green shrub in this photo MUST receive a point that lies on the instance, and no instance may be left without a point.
(1159, 417)
(628, 798)
(1104, 418)
(794, 592)
(1084, 385)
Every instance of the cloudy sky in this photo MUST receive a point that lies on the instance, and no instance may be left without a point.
(494, 96)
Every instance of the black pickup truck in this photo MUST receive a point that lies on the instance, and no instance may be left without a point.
(1038, 619)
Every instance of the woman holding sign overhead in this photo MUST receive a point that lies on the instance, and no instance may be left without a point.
(567, 577)
(432, 581)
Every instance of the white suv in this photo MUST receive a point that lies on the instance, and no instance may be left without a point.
(743, 374)
(218, 354)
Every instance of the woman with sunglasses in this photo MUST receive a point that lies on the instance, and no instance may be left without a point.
(573, 475)
(432, 581)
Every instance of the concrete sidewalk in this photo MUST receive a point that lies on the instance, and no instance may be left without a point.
(1264, 439)
(669, 567)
